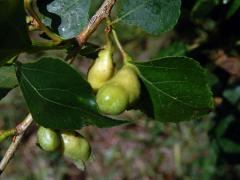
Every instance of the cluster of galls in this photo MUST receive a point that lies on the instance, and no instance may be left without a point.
(115, 91)
(73, 145)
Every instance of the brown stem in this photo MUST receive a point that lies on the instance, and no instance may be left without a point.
(21, 129)
(102, 13)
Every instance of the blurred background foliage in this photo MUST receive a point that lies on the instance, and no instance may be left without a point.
(208, 148)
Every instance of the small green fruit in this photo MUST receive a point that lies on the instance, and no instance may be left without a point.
(75, 146)
(112, 99)
(127, 78)
(116, 94)
(102, 69)
(48, 139)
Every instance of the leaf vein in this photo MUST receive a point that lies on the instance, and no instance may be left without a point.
(51, 101)
(168, 95)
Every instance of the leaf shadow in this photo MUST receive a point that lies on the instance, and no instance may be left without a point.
(145, 103)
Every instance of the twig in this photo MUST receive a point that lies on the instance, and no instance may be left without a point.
(102, 13)
(21, 129)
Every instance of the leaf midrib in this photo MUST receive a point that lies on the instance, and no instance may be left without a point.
(54, 102)
(168, 95)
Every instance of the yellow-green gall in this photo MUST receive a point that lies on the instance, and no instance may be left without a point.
(48, 139)
(75, 146)
(102, 70)
(112, 99)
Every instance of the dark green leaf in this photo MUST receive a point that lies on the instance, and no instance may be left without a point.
(223, 125)
(229, 146)
(212, 79)
(58, 97)
(178, 88)
(153, 16)
(233, 9)
(8, 78)
(73, 16)
(14, 36)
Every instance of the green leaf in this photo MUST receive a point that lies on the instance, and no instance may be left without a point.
(14, 36)
(223, 125)
(153, 16)
(212, 78)
(73, 16)
(58, 97)
(8, 79)
(177, 87)
(229, 146)
(233, 9)
(232, 95)
(203, 7)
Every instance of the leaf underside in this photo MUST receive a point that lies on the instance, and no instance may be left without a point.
(67, 18)
(153, 16)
